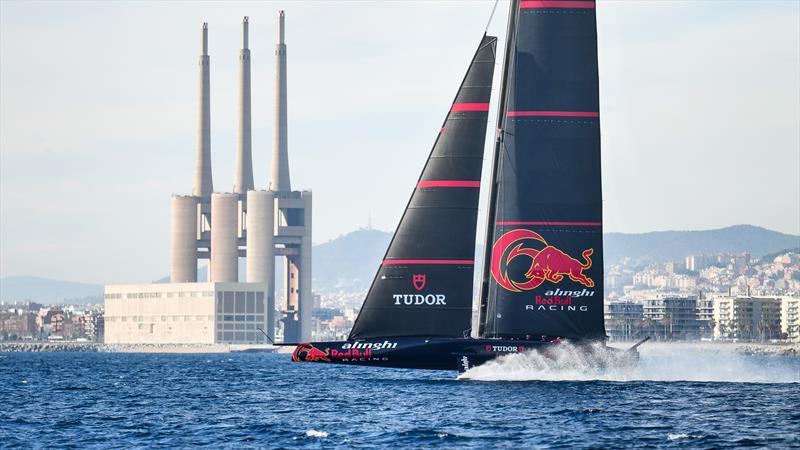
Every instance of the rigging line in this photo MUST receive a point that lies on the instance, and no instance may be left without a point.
(491, 16)
(505, 151)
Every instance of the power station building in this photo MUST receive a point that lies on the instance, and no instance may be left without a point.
(222, 228)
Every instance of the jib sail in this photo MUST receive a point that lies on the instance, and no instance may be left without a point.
(424, 284)
(545, 242)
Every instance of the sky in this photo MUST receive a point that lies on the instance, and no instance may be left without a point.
(700, 106)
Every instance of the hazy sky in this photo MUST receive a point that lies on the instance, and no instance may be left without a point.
(700, 106)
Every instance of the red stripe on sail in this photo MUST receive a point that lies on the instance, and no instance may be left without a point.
(553, 114)
(388, 262)
(457, 107)
(557, 4)
(563, 224)
(449, 183)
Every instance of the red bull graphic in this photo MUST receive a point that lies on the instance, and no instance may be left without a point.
(308, 353)
(342, 352)
(547, 264)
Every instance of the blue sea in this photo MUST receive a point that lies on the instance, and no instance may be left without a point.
(675, 398)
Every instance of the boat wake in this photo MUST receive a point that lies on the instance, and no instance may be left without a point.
(658, 362)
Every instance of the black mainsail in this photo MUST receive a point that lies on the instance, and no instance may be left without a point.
(424, 284)
(544, 249)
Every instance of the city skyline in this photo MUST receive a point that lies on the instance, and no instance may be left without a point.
(113, 140)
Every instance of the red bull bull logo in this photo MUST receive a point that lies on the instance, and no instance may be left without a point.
(547, 264)
(308, 353)
(342, 352)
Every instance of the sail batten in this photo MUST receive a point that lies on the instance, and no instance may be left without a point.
(424, 284)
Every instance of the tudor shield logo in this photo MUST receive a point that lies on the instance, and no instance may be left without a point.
(419, 281)
(548, 263)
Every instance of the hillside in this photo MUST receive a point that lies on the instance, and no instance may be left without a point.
(349, 262)
(44, 290)
(676, 245)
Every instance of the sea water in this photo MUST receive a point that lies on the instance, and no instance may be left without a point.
(676, 397)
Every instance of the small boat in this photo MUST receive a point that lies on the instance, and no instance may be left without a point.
(542, 281)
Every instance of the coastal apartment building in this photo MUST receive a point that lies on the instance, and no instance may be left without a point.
(790, 318)
(186, 313)
(624, 320)
(672, 318)
(749, 318)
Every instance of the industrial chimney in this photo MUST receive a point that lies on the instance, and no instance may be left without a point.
(280, 152)
(203, 186)
(243, 178)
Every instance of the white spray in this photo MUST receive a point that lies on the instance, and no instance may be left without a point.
(658, 362)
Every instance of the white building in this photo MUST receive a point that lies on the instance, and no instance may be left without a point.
(790, 318)
(186, 313)
(750, 318)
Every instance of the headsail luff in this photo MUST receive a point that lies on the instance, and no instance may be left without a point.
(543, 273)
(424, 284)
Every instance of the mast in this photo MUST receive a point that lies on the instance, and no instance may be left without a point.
(501, 120)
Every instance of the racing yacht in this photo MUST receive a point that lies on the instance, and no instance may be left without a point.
(542, 280)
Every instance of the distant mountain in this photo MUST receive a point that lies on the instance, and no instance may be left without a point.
(676, 245)
(349, 262)
(44, 290)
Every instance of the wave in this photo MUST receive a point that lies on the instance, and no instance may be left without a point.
(657, 362)
(317, 434)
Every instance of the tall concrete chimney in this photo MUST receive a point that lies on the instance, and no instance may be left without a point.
(243, 178)
(280, 152)
(203, 186)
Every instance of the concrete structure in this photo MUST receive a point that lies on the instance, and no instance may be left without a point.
(293, 211)
(260, 249)
(672, 318)
(203, 185)
(184, 237)
(280, 144)
(624, 320)
(243, 178)
(255, 224)
(185, 313)
(224, 237)
(747, 318)
(294, 234)
(790, 318)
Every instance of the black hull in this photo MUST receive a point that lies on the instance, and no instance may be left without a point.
(435, 353)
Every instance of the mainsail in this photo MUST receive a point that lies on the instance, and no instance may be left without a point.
(424, 284)
(544, 252)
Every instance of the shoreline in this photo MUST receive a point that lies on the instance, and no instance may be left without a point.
(790, 349)
(99, 347)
